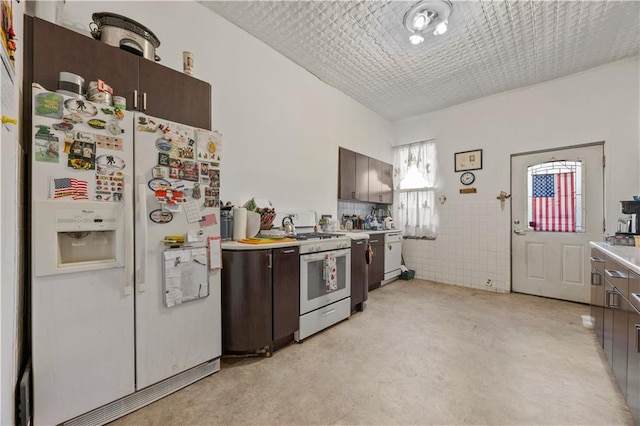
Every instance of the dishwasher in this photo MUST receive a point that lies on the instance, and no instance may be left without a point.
(392, 256)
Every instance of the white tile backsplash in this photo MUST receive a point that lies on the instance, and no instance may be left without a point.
(351, 208)
(472, 247)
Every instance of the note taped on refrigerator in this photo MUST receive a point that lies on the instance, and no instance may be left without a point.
(215, 252)
(186, 275)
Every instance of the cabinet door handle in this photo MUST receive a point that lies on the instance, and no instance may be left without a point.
(610, 299)
(269, 260)
(288, 251)
(373, 241)
(596, 278)
(135, 99)
(637, 338)
(358, 243)
(616, 274)
(144, 101)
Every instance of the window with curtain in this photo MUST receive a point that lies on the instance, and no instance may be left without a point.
(415, 181)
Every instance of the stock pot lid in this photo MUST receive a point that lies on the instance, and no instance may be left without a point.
(103, 19)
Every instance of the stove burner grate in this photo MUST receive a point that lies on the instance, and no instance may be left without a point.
(315, 236)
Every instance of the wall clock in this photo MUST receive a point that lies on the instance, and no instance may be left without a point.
(467, 178)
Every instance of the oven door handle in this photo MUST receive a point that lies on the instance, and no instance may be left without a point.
(310, 257)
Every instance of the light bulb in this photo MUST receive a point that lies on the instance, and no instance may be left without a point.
(416, 38)
(441, 28)
(421, 21)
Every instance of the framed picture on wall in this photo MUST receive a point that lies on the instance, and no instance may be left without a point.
(468, 160)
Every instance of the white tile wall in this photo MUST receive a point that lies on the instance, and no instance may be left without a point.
(472, 246)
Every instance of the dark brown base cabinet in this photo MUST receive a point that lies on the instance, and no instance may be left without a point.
(148, 86)
(260, 299)
(286, 295)
(376, 267)
(359, 269)
(616, 290)
(246, 301)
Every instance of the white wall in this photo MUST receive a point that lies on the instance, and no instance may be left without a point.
(281, 126)
(598, 105)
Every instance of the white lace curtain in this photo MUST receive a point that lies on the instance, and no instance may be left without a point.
(415, 178)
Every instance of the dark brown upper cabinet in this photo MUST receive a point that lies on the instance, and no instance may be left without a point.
(363, 178)
(148, 86)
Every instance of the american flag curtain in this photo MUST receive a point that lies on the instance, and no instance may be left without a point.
(554, 202)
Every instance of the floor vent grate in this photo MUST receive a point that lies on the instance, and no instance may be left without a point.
(128, 404)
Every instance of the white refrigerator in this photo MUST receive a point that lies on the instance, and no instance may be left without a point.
(125, 279)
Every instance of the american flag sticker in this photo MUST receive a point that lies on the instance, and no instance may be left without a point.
(209, 220)
(70, 187)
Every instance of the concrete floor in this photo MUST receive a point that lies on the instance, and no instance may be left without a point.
(422, 353)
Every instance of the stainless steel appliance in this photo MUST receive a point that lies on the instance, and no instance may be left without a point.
(288, 226)
(631, 208)
(226, 225)
(127, 34)
(392, 256)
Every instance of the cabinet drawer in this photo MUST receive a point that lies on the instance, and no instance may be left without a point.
(322, 318)
(618, 276)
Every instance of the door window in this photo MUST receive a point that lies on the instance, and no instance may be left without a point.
(555, 198)
(316, 283)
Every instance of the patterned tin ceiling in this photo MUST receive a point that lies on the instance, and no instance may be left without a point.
(362, 47)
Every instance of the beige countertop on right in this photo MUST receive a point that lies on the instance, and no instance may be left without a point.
(627, 255)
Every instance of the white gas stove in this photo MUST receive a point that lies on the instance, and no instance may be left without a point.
(325, 276)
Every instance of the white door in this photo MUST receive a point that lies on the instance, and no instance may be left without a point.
(556, 209)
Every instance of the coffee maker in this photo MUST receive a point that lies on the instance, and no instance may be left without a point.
(630, 225)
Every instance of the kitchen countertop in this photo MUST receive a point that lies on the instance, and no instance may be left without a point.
(234, 245)
(626, 255)
(362, 234)
(353, 234)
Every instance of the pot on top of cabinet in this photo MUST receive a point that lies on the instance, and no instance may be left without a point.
(127, 34)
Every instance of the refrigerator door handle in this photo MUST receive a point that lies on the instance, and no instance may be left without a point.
(129, 245)
(141, 238)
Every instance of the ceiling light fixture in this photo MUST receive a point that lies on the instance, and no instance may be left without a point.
(416, 38)
(427, 15)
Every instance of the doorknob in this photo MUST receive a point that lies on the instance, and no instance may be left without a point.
(520, 232)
